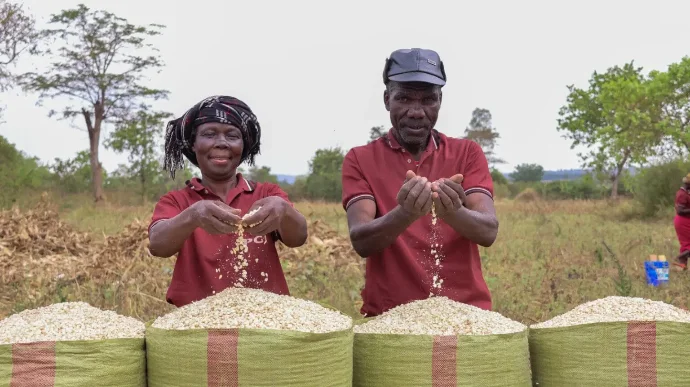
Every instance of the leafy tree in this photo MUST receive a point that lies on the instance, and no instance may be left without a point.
(498, 177)
(673, 88)
(94, 63)
(616, 118)
(481, 131)
(298, 189)
(17, 36)
(262, 175)
(74, 175)
(528, 173)
(324, 181)
(139, 136)
(376, 132)
(18, 172)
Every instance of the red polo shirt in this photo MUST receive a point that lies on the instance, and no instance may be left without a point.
(403, 272)
(204, 265)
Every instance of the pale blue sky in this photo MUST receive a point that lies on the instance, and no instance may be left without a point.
(312, 73)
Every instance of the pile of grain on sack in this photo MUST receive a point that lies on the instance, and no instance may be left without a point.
(617, 309)
(226, 338)
(438, 341)
(68, 321)
(72, 344)
(440, 316)
(613, 341)
(254, 309)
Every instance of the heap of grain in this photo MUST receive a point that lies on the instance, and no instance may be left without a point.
(232, 333)
(72, 344)
(438, 341)
(613, 341)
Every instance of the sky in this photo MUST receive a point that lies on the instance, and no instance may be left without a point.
(311, 70)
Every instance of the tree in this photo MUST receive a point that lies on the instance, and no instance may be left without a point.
(375, 132)
(673, 88)
(497, 177)
(20, 173)
(617, 118)
(324, 181)
(529, 173)
(262, 175)
(481, 131)
(139, 136)
(17, 36)
(94, 63)
(74, 175)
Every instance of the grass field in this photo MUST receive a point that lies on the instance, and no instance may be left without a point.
(549, 257)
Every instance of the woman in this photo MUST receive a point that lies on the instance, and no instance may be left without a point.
(200, 222)
(682, 223)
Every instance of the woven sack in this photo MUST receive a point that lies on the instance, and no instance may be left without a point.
(632, 354)
(383, 360)
(248, 357)
(101, 363)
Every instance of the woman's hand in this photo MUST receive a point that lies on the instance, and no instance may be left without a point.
(216, 217)
(448, 195)
(268, 216)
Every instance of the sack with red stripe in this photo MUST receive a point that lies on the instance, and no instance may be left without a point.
(394, 360)
(248, 357)
(102, 363)
(633, 354)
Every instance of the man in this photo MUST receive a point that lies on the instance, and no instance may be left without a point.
(390, 184)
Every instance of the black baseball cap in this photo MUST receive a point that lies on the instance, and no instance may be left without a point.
(414, 65)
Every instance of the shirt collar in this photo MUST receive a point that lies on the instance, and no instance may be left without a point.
(196, 185)
(431, 146)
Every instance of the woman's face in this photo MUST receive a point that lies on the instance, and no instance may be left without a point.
(218, 148)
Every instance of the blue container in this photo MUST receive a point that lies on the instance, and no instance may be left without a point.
(657, 272)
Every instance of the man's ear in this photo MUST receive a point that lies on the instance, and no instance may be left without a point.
(386, 100)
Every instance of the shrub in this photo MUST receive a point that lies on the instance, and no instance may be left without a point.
(528, 195)
(655, 187)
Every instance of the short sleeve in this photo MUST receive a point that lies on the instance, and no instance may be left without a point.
(355, 185)
(275, 190)
(477, 176)
(166, 208)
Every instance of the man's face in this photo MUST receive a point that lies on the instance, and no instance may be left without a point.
(413, 110)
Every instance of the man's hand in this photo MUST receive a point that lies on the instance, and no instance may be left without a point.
(414, 196)
(448, 195)
(216, 217)
(268, 217)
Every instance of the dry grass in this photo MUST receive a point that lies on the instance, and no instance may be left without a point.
(549, 257)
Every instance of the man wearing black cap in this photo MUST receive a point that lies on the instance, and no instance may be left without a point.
(418, 202)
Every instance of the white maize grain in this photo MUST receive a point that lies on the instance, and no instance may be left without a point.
(254, 309)
(617, 309)
(440, 316)
(68, 321)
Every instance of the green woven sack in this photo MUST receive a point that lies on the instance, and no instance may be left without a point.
(248, 357)
(627, 354)
(441, 361)
(101, 363)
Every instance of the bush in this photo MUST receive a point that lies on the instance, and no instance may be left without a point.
(498, 177)
(655, 187)
(528, 195)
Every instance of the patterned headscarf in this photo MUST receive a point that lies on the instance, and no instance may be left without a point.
(181, 132)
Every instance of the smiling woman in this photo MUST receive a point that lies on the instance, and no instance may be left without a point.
(201, 222)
